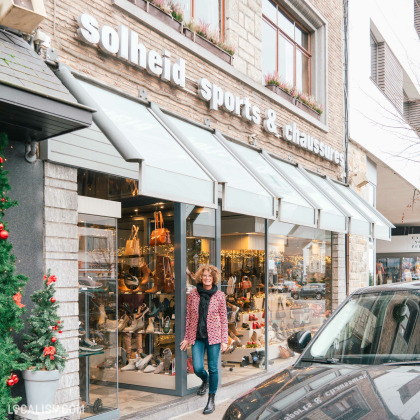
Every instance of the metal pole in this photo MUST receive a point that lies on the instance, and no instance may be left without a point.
(180, 233)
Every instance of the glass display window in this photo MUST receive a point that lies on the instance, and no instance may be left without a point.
(98, 349)
(243, 282)
(200, 249)
(299, 273)
(146, 294)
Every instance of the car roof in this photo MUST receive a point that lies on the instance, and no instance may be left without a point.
(412, 285)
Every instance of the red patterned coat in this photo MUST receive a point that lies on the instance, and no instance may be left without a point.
(217, 325)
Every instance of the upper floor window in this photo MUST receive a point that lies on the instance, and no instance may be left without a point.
(373, 58)
(286, 47)
(209, 12)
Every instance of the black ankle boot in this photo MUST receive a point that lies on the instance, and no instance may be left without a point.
(203, 388)
(210, 405)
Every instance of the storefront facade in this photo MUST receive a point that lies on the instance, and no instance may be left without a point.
(241, 176)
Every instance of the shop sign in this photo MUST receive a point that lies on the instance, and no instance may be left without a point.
(125, 44)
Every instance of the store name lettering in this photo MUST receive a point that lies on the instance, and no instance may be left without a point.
(125, 44)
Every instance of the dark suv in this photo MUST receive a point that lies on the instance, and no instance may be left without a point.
(364, 363)
(311, 290)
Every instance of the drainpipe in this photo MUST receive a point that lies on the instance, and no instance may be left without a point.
(346, 125)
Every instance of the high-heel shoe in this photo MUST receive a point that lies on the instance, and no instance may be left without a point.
(122, 288)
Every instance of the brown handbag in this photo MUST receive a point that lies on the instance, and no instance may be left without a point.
(159, 236)
(245, 283)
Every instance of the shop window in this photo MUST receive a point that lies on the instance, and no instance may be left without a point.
(104, 186)
(98, 346)
(209, 12)
(299, 276)
(286, 47)
(243, 282)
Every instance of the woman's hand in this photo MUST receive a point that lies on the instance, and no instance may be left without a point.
(223, 347)
(184, 345)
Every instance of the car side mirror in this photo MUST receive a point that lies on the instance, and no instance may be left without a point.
(299, 340)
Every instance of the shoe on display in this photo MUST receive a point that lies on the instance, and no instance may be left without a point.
(110, 325)
(89, 283)
(122, 288)
(233, 337)
(102, 314)
(123, 322)
(149, 369)
(88, 345)
(131, 365)
(167, 325)
(254, 338)
(245, 326)
(154, 289)
(141, 364)
(142, 311)
(167, 356)
(245, 361)
(232, 327)
(151, 328)
(159, 368)
(137, 324)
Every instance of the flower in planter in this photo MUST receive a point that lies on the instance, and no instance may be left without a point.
(311, 102)
(276, 80)
(162, 5)
(177, 11)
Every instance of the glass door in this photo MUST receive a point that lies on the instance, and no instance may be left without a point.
(98, 349)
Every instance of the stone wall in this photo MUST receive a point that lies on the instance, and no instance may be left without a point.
(61, 247)
(243, 79)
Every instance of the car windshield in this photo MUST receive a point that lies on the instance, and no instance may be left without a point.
(371, 329)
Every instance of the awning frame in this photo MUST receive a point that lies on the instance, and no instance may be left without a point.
(214, 171)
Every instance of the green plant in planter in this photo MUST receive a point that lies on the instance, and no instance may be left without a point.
(43, 349)
(311, 102)
(276, 80)
(11, 307)
(177, 11)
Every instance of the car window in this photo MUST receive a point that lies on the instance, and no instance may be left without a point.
(372, 329)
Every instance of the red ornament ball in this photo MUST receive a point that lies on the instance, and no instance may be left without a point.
(4, 234)
(1, 160)
(52, 300)
(59, 322)
(54, 327)
(1, 226)
(10, 382)
(60, 332)
(53, 339)
(15, 378)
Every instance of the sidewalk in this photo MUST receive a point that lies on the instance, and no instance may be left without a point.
(193, 405)
(221, 407)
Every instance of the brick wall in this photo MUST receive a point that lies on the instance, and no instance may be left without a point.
(91, 62)
(61, 247)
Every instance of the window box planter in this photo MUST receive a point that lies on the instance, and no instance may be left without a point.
(158, 14)
(281, 93)
(163, 17)
(209, 46)
(308, 110)
(140, 3)
(189, 33)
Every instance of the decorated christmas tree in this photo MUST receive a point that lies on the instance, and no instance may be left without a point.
(43, 349)
(11, 307)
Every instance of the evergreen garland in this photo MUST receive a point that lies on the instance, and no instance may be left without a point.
(43, 349)
(11, 308)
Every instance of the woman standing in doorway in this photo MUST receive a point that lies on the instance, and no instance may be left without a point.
(206, 329)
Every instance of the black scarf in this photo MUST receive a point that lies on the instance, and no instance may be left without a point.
(203, 309)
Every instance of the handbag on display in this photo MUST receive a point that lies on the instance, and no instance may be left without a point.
(245, 283)
(132, 245)
(159, 236)
(284, 352)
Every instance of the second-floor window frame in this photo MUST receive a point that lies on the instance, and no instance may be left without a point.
(306, 52)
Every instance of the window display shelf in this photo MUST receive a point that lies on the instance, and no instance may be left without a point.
(89, 353)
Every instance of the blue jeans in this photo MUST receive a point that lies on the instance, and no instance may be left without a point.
(213, 351)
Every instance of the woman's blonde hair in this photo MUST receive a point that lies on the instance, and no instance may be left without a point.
(214, 271)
